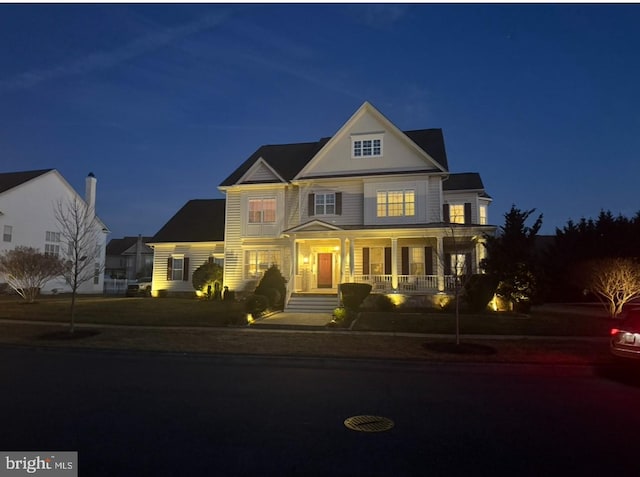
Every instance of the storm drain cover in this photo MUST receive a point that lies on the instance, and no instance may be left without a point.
(368, 423)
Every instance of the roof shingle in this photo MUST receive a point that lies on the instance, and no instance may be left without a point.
(199, 220)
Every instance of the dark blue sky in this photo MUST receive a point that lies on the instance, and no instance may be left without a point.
(162, 102)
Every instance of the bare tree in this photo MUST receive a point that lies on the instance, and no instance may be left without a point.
(460, 269)
(82, 258)
(27, 270)
(615, 281)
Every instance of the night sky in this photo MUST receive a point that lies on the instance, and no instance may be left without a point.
(162, 102)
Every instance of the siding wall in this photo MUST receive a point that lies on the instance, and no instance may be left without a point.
(461, 198)
(197, 253)
(233, 244)
(29, 210)
(352, 204)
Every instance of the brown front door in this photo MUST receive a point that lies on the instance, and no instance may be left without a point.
(325, 271)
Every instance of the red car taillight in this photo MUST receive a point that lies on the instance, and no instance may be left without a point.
(614, 331)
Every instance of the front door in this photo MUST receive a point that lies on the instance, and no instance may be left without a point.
(325, 270)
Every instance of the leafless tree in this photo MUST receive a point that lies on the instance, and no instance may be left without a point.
(460, 269)
(80, 230)
(615, 281)
(26, 270)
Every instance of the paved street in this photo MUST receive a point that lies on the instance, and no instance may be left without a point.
(166, 414)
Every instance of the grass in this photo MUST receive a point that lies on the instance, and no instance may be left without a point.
(123, 311)
(544, 321)
(165, 314)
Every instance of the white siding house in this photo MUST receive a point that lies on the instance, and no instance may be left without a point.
(27, 203)
(369, 204)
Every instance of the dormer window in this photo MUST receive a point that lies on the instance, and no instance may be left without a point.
(366, 145)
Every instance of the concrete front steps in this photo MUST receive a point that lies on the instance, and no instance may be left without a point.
(312, 303)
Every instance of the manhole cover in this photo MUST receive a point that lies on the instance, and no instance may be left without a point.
(368, 423)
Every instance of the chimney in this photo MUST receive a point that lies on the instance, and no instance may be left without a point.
(90, 192)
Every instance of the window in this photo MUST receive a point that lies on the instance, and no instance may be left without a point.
(483, 215)
(396, 203)
(416, 261)
(257, 261)
(262, 211)
(367, 147)
(456, 213)
(376, 261)
(458, 264)
(96, 274)
(8, 233)
(325, 204)
(52, 243)
(178, 268)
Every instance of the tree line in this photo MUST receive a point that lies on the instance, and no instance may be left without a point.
(592, 259)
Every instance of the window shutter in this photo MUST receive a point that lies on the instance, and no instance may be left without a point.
(428, 260)
(387, 260)
(445, 213)
(312, 205)
(185, 271)
(169, 268)
(447, 264)
(467, 212)
(468, 268)
(405, 261)
(210, 260)
(338, 203)
(365, 261)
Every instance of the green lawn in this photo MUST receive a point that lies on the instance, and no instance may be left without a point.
(123, 311)
(544, 321)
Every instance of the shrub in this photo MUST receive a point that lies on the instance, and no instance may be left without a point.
(256, 305)
(377, 302)
(353, 294)
(207, 274)
(273, 279)
(478, 291)
(274, 298)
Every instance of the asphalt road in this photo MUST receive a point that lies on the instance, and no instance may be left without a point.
(138, 414)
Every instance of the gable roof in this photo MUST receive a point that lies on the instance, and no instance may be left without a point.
(118, 246)
(290, 160)
(199, 220)
(286, 159)
(9, 180)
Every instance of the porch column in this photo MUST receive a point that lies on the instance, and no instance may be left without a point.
(394, 263)
(480, 254)
(440, 263)
(294, 266)
(352, 258)
(343, 253)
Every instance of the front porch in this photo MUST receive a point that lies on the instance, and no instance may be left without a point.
(408, 265)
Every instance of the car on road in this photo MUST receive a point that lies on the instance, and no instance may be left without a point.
(141, 287)
(625, 335)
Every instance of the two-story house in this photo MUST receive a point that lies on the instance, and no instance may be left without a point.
(28, 200)
(370, 204)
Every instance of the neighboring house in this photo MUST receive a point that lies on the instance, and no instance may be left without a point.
(27, 203)
(370, 204)
(194, 235)
(129, 258)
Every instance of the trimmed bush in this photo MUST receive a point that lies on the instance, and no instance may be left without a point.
(478, 291)
(377, 302)
(273, 286)
(353, 294)
(256, 305)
